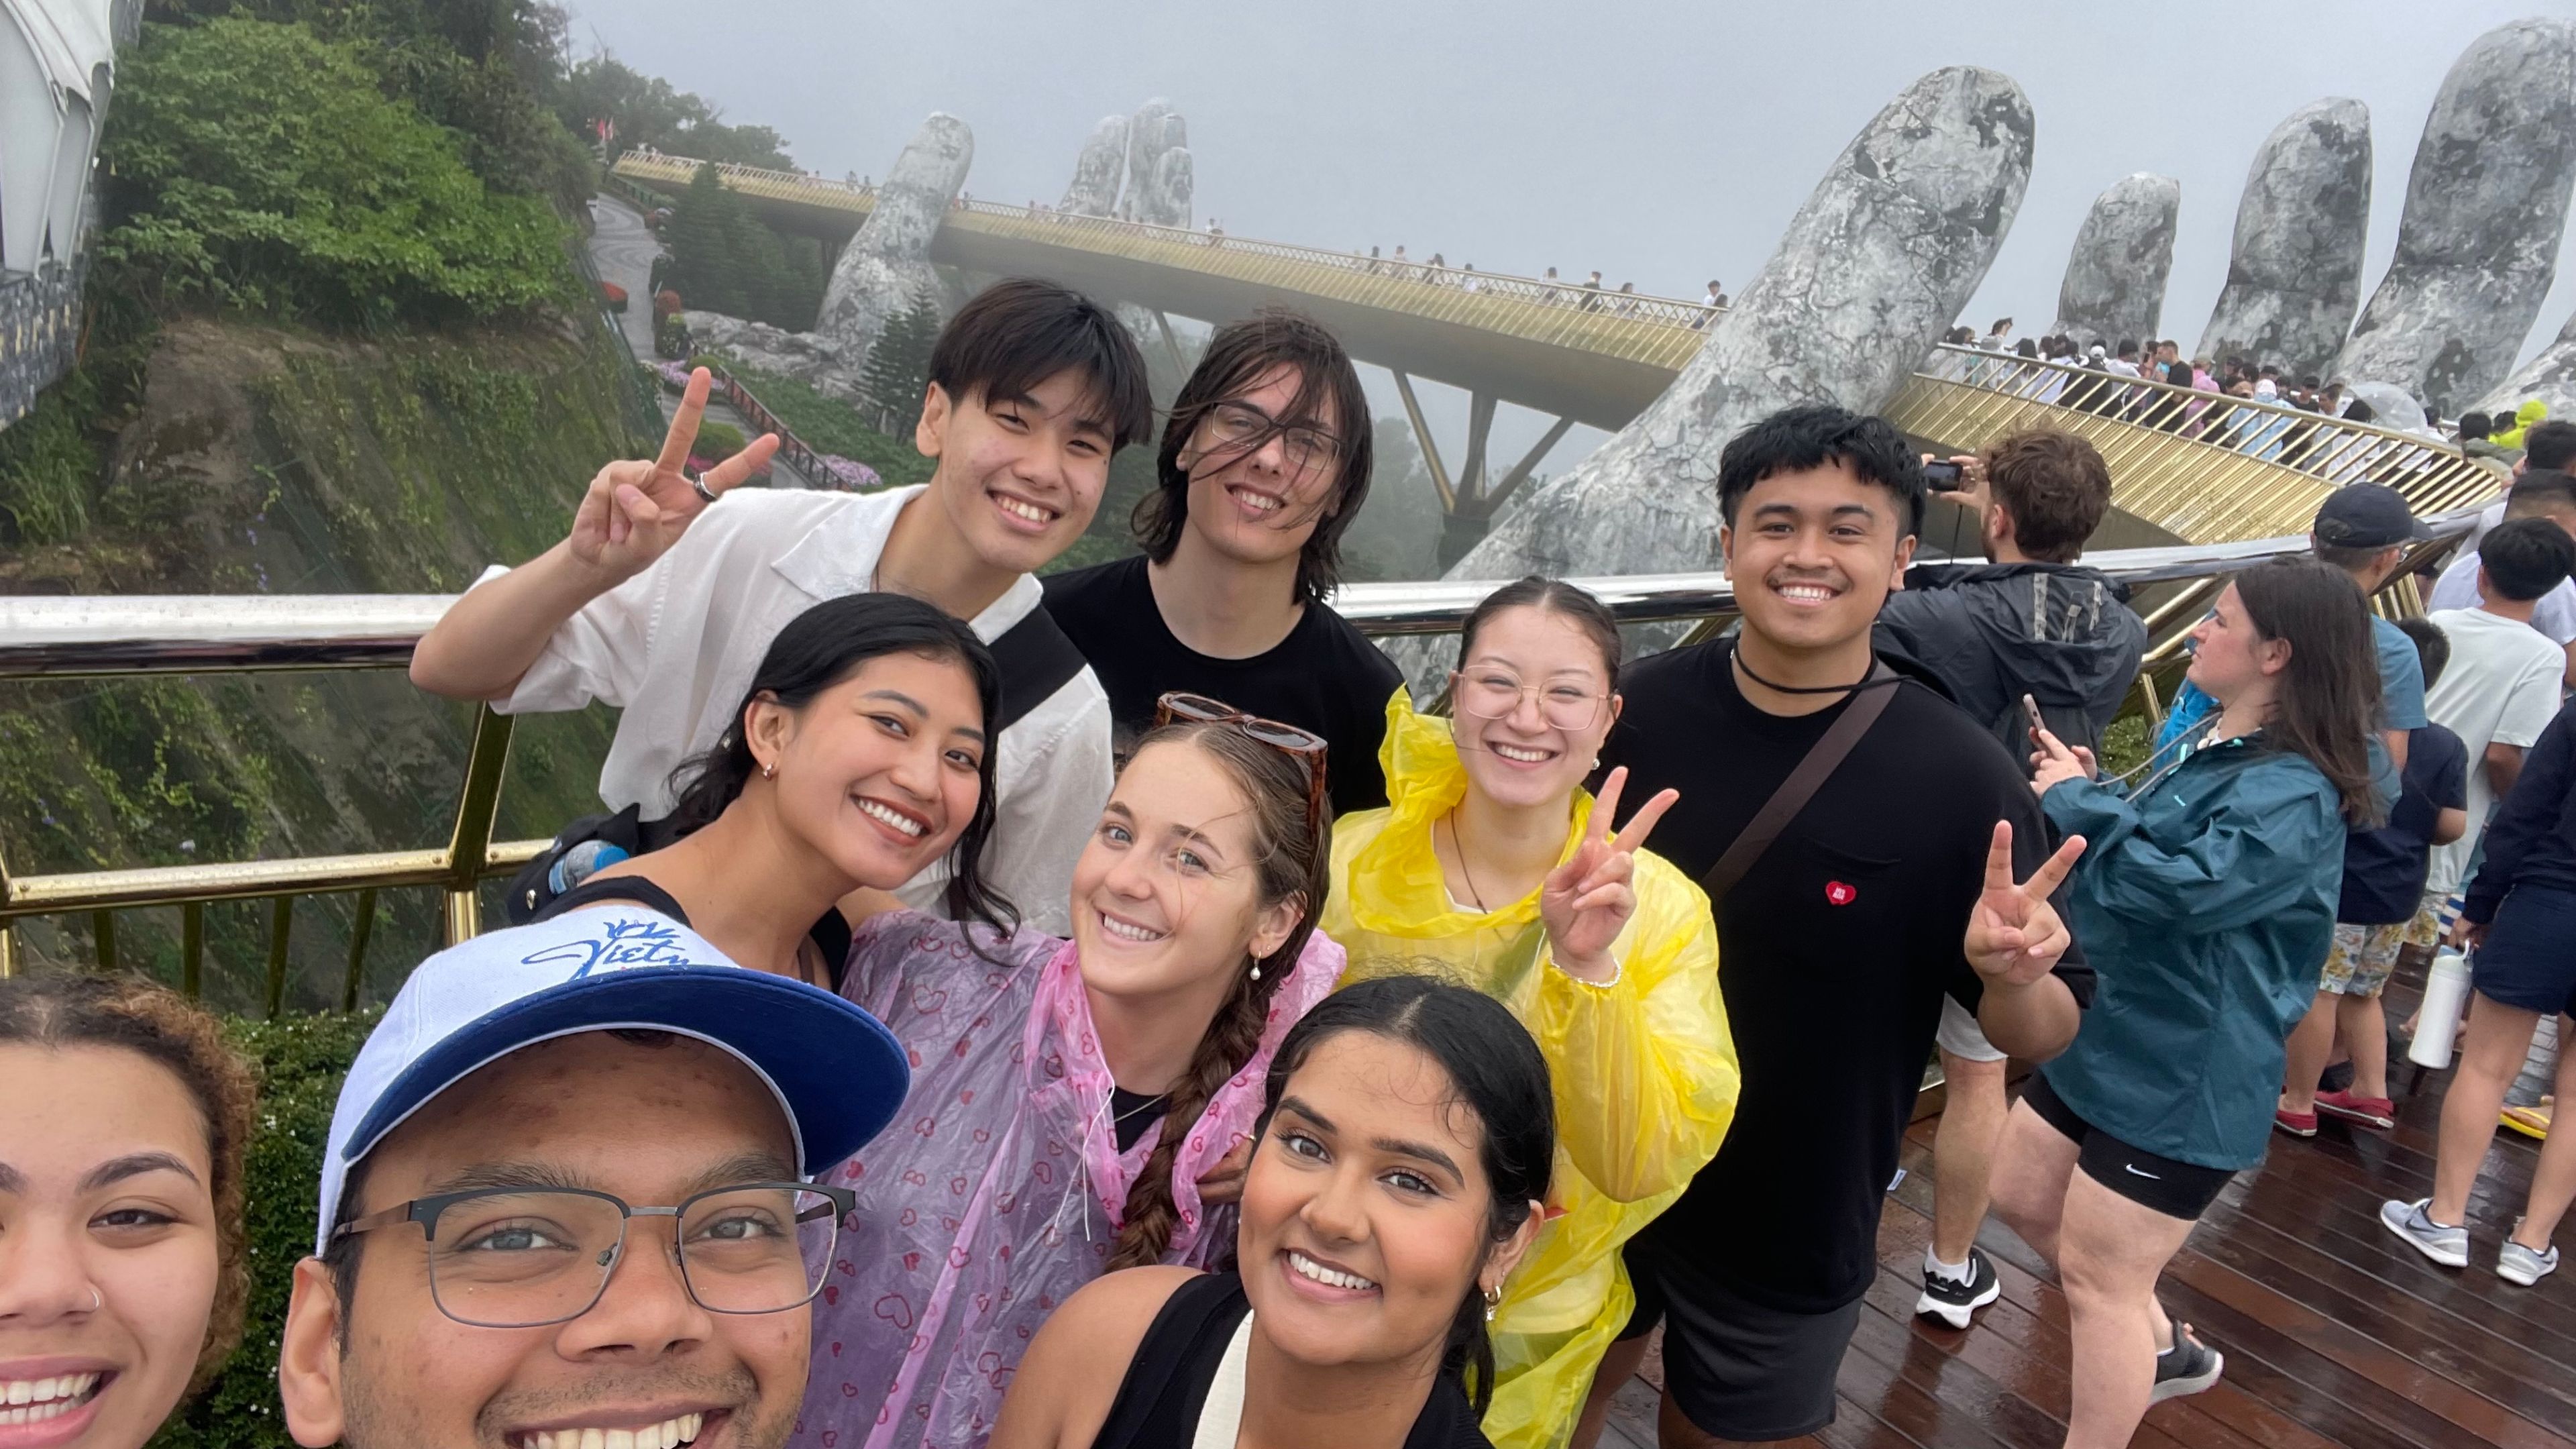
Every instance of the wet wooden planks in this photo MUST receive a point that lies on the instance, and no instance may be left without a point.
(2335, 1333)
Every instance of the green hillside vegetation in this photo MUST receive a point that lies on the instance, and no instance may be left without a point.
(724, 259)
(648, 111)
(829, 425)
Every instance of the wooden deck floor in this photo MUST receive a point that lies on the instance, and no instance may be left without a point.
(2335, 1333)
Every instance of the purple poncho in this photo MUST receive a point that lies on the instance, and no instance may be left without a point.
(998, 1189)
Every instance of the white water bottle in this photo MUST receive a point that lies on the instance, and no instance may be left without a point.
(2446, 995)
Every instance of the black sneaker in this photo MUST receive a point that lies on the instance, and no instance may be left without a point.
(2336, 1078)
(1954, 1302)
(2189, 1367)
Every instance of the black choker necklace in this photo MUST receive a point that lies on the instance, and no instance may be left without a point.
(1794, 688)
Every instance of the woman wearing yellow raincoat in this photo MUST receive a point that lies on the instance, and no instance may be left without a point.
(1493, 867)
(2533, 410)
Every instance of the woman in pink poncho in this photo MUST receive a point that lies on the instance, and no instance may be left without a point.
(1072, 1101)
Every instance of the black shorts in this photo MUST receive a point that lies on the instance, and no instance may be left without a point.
(2159, 1184)
(1736, 1368)
(2528, 958)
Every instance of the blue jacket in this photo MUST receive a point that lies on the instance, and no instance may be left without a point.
(2206, 906)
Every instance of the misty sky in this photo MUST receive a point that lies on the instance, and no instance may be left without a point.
(1662, 143)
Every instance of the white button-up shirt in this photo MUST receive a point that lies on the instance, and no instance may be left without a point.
(675, 648)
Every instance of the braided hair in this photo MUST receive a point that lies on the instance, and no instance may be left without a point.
(1293, 857)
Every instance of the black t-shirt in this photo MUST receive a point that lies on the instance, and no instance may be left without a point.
(1131, 1113)
(2384, 869)
(1325, 676)
(1834, 951)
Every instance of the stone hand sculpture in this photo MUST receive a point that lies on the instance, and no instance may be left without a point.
(887, 264)
(2486, 205)
(2115, 277)
(1878, 261)
(1098, 171)
(2294, 276)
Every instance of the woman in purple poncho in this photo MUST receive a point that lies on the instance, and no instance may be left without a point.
(1076, 1105)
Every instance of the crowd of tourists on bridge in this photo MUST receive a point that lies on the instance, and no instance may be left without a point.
(1107, 1009)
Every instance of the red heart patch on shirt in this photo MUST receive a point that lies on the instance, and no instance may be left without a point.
(1837, 893)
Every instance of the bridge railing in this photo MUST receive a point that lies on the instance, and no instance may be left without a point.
(2432, 472)
(823, 191)
(117, 637)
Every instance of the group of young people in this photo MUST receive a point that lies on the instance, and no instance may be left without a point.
(1108, 1012)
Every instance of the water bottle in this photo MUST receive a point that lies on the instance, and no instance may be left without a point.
(580, 863)
(2446, 995)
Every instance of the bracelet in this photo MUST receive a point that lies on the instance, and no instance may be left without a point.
(1618, 970)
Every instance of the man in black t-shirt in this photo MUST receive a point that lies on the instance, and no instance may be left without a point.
(1839, 942)
(1264, 463)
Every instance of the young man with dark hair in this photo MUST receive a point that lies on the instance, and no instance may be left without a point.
(543, 1191)
(662, 603)
(2476, 444)
(2032, 624)
(2544, 490)
(1842, 934)
(1264, 464)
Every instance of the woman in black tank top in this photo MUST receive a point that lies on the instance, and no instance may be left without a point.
(1399, 1176)
(858, 759)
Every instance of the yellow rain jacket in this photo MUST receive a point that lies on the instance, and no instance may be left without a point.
(2533, 410)
(1644, 1071)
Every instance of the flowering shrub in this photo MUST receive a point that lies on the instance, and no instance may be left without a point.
(850, 474)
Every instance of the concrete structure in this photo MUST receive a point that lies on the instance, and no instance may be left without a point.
(2115, 277)
(2486, 205)
(2294, 276)
(57, 68)
(887, 264)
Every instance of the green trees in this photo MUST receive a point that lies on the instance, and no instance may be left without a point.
(254, 164)
(724, 259)
(647, 111)
(898, 367)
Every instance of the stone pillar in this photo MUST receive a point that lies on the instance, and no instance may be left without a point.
(1874, 266)
(2486, 205)
(2115, 277)
(2294, 277)
(888, 262)
(1098, 171)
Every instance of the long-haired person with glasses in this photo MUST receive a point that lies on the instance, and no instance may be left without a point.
(567, 1197)
(1078, 1104)
(1493, 865)
(1263, 465)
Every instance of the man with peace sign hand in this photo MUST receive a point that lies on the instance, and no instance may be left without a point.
(668, 588)
(1874, 859)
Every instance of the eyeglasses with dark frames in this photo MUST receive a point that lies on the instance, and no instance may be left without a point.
(1240, 427)
(533, 1256)
(1306, 745)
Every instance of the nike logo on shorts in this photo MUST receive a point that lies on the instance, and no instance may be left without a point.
(2133, 1167)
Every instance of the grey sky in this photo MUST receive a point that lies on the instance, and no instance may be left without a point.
(1662, 143)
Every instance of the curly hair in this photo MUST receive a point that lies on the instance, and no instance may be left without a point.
(127, 1013)
(1294, 863)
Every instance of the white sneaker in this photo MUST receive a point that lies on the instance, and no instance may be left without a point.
(2410, 1220)
(2518, 1264)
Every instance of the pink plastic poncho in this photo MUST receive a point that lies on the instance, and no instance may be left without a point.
(999, 1188)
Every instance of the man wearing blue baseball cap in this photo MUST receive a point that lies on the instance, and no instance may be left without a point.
(568, 1199)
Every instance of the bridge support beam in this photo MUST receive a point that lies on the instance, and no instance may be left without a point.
(1469, 501)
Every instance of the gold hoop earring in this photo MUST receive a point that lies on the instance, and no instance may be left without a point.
(1493, 1301)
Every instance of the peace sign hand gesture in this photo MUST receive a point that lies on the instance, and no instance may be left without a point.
(1587, 901)
(634, 510)
(2014, 934)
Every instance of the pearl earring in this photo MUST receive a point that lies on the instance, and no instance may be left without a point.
(769, 772)
(1493, 1301)
(1256, 970)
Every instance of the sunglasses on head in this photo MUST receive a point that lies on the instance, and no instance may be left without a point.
(1305, 745)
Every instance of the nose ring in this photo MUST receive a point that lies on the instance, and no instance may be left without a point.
(97, 1300)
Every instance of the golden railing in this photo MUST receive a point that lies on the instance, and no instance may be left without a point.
(2199, 465)
(1659, 331)
(77, 638)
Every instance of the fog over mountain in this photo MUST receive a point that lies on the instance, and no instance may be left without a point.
(1663, 143)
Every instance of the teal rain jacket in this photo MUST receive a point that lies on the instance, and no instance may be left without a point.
(2206, 904)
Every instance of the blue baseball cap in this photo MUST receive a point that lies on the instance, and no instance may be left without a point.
(836, 1071)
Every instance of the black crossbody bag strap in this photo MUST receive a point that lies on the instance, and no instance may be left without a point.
(1869, 701)
(1036, 658)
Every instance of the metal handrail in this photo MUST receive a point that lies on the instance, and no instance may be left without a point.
(65, 638)
(1675, 312)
